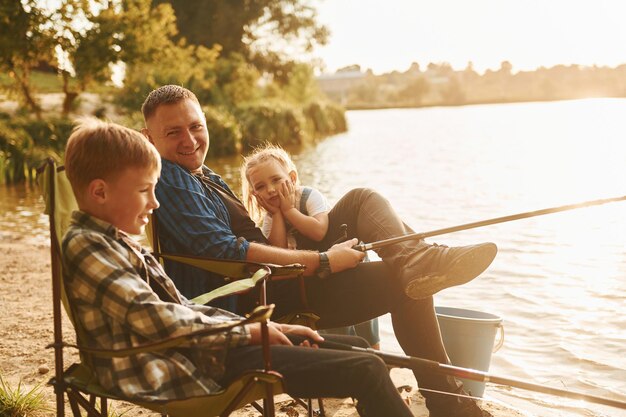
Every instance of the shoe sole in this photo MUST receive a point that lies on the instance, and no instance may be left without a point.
(468, 267)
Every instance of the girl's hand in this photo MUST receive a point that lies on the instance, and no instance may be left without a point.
(287, 196)
(267, 206)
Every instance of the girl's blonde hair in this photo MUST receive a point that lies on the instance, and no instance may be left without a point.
(263, 153)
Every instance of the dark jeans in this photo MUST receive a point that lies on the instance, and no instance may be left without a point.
(315, 373)
(372, 289)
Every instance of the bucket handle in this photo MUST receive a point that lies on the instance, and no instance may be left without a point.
(500, 341)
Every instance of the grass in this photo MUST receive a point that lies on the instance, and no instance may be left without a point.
(47, 82)
(20, 402)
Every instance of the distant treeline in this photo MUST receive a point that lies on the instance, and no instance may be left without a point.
(439, 84)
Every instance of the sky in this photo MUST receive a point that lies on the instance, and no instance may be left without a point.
(387, 35)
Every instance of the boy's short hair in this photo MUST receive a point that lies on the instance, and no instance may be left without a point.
(167, 94)
(102, 150)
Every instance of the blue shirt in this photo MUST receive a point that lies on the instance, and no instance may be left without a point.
(193, 220)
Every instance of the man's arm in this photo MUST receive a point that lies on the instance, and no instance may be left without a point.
(340, 256)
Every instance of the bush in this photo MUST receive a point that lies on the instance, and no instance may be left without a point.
(26, 143)
(325, 118)
(271, 122)
(224, 132)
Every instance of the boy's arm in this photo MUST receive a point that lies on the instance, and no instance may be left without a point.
(100, 276)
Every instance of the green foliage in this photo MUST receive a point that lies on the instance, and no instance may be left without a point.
(25, 144)
(24, 42)
(236, 81)
(224, 132)
(19, 402)
(255, 29)
(325, 118)
(194, 68)
(273, 122)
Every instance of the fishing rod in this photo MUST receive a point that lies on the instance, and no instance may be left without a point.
(363, 247)
(420, 364)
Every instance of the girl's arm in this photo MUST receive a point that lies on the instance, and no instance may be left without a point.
(313, 227)
(278, 232)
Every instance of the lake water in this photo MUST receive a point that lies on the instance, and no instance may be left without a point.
(558, 282)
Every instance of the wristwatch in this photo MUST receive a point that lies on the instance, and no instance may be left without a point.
(323, 270)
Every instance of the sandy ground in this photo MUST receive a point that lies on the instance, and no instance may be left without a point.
(26, 329)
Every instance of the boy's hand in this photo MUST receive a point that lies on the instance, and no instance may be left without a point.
(287, 196)
(277, 334)
(341, 256)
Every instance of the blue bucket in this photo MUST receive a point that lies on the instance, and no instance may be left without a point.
(469, 337)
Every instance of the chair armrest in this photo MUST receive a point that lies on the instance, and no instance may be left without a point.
(259, 314)
(232, 269)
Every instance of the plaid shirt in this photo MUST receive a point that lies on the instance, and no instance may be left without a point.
(194, 220)
(122, 298)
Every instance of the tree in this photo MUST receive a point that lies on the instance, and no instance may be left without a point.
(251, 28)
(94, 36)
(24, 43)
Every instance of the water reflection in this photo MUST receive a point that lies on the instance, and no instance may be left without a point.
(21, 214)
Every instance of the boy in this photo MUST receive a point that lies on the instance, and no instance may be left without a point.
(122, 297)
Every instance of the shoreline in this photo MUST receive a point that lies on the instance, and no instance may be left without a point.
(26, 314)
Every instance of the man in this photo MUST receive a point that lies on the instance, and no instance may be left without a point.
(200, 215)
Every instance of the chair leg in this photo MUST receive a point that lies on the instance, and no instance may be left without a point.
(321, 405)
(104, 407)
(268, 402)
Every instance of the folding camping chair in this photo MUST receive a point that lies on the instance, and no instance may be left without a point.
(232, 271)
(79, 382)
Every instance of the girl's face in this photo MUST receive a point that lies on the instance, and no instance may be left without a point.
(267, 177)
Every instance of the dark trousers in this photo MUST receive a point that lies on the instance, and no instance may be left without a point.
(325, 373)
(371, 289)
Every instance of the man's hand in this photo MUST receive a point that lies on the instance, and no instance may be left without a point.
(277, 334)
(341, 256)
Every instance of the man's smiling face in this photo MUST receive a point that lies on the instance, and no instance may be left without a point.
(179, 133)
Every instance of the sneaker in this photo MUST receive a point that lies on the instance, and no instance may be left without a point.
(438, 267)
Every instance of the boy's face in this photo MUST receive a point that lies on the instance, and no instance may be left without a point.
(130, 199)
(179, 133)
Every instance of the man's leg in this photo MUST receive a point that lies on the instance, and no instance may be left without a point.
(423, 269)
(369, 291)
(315, 373)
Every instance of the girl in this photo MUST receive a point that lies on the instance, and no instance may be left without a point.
(273, 195)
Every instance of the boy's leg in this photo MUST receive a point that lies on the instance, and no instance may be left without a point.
(315, 373)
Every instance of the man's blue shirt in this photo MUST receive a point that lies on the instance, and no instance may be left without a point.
(194, 220)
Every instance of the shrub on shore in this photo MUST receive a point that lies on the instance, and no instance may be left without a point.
(26, 142)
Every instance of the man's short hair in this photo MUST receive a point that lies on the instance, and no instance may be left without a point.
(102, 150)
(167, 94)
